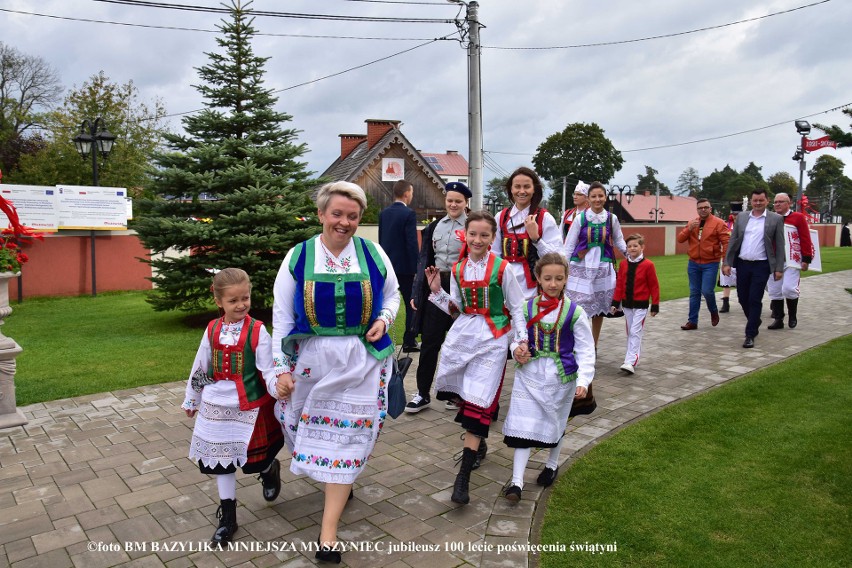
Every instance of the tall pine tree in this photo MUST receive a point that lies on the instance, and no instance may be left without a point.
(229, 192)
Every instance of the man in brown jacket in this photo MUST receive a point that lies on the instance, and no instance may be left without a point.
(708, 239)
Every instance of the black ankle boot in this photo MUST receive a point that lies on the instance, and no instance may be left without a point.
(480, 453)
(271, 481)
(227, 515)
(726, 306)
(792, 308)
(462, 484)
(777, 307)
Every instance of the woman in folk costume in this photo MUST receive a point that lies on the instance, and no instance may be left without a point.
(556, 365)
(336, 296)
(525, 231)
(590, 248)
(473, 359)
(581, 203)
(236, 425)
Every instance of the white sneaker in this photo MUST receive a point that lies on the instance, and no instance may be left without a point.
(628, 368)
(417, 404)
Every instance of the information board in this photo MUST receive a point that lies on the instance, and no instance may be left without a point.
(37, 206)
(95, 208)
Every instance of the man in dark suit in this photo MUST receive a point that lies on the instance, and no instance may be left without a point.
(756, 250)
(398, 238)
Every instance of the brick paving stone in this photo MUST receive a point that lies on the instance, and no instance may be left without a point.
(141, 529)
(43, 492)
(101, 516)
(59, 538)
(269, 529)
(187, 522)
(146, 496)
(53, 559)
(104, 487)
(146, 480)
(189, 501)
(19, 550)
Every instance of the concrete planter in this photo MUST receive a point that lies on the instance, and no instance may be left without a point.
(10, 416)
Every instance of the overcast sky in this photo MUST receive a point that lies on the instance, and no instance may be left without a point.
(644, 94)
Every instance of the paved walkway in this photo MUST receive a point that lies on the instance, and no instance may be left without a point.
(90, 474)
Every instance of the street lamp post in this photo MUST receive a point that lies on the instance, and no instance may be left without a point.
(92, 140)
(803, 127)
(564, 191)
(621, 190)
(656, 212)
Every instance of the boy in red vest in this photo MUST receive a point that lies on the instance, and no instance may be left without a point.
(636, 283)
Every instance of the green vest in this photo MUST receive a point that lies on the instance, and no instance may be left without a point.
(485, 297)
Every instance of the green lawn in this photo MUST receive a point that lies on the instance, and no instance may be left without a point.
(671, 270)
(756, 473)
(84, 345)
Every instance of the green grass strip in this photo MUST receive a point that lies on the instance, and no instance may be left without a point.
(756, 473)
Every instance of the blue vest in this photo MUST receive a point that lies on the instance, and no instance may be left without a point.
(339, 304)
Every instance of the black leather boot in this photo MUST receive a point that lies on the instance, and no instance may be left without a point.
(726, 306)
(792, 308)
(480, 453)
(777, 307)
(462, 484)
(227, 515)
(271, 481)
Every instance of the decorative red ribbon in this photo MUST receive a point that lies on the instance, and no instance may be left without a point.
(545, 306)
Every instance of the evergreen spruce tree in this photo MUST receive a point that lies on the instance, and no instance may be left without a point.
(231, 191)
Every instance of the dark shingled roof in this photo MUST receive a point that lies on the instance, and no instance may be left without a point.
(359, 159)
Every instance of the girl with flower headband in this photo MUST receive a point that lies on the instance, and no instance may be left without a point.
(555, 365)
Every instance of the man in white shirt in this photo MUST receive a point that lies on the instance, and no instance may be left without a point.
(756, 250)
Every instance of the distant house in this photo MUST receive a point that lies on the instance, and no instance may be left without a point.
(641, 209)
(380, 157)
(450, 166)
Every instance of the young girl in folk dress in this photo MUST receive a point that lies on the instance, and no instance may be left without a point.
(236, 425)
(486, 291)
(556, 365)
(590, 248)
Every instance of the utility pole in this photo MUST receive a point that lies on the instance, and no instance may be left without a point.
(474, 105)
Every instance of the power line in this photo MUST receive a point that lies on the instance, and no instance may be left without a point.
(399, 2)
(736, 133)
(661, 36)
(183, 29)
(293, 15)
(333, 74)
(363, 65)
(494, 166)
(529, 154)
